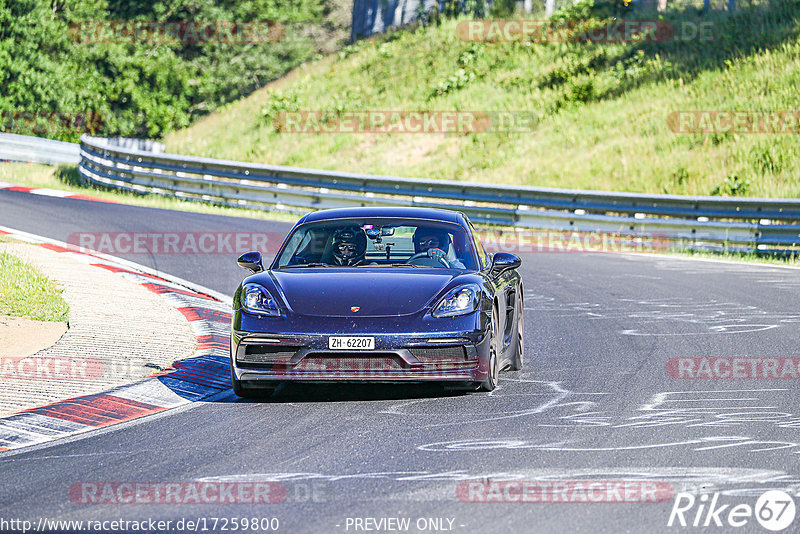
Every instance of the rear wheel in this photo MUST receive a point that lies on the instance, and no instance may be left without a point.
(517, 359)
(494, 369)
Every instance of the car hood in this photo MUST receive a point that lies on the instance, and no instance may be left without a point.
(375, 292)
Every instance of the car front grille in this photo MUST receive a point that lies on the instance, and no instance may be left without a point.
(278, 358)
(347, 362)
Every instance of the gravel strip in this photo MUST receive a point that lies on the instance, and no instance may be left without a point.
(118, 331)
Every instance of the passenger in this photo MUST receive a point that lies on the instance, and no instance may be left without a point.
(314, 249)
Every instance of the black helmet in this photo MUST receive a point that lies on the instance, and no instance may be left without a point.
(424, 233)
(349, 246)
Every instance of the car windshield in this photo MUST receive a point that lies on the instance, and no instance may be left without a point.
(379, 242)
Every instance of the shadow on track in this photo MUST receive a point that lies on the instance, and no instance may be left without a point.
(350, 392)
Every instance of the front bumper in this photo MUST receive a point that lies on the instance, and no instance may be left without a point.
(444, 357)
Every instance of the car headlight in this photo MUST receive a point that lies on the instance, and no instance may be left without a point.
(257, 300)
(459, 301)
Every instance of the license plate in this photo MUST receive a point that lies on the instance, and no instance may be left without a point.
(351, 343)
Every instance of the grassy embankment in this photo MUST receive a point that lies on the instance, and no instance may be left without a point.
(602, 108)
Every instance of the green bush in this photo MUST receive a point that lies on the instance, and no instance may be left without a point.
(139, 88)
(733, 186)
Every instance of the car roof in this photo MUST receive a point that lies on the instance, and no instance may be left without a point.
(434, 214)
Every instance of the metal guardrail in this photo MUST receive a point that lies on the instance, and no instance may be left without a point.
(31, 149)
(760, 223)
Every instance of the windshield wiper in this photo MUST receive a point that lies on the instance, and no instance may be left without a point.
(397, 265)
(305, 265)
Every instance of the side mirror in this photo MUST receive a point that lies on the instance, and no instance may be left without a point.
(251, 261)
(503, 261)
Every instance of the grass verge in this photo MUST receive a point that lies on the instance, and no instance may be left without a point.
(25, 292)
(744, 257)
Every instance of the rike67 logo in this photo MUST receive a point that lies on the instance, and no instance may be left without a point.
(774, 510)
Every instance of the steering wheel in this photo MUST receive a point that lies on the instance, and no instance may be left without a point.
(433, 257)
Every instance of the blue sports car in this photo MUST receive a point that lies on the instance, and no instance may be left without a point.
(377, 295)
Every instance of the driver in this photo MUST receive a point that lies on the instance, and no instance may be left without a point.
(349, 246)
(434, 238)
(428, 238)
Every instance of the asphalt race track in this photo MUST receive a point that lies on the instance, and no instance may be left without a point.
(595, 402)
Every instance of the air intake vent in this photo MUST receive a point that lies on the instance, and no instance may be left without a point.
(266, 354)
(433, 354)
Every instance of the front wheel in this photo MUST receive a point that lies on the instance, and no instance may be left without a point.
(494, 369)
(249, 393)
(238, 388)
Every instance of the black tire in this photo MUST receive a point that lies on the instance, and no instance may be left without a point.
(517, 360)
(238, 388)
(249, 393)
(494, 367)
